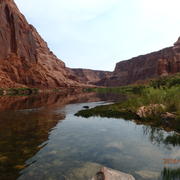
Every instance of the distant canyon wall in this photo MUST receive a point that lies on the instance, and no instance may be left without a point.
(88, 76)
(160, 63)
(26, 60)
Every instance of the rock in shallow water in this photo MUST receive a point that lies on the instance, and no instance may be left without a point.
(146, 174)
(94, 171)
(110, 174)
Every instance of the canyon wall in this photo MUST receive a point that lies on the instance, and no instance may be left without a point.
(25, 59)
(160, 63)
(88, 76)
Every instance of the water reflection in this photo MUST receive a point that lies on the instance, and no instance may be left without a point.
(171, 174)
(173, 140)
(160, 137)
(112, 97)
(21, 133)
(42, 139)
(169, 140)
(25, 123)
(44, 100)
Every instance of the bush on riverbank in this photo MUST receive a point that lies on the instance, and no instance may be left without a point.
(166, 81)
(119, 90)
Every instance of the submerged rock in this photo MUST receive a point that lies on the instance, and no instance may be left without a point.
(110, 174)
(146, 174)
(95, 171)
(86, 107)
(85, 171)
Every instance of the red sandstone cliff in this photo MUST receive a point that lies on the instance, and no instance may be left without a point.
(25, 59)
(160, 63)
(88, 76)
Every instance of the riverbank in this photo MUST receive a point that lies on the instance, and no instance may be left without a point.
(18, 91)
(156, 103)
(31, 91)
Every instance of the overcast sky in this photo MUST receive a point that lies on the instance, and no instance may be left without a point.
(97, 34)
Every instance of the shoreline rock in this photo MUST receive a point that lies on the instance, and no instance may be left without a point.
(150, 110)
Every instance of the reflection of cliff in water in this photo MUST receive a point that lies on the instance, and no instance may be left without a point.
(25, 125)
(112, 97)
(21, 134)
(43, 100)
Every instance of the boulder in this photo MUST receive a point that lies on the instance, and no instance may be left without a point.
(94, 171)
(150, 110)
(168, 116)
(110, 174)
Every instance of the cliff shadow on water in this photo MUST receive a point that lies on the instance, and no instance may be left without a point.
(26, 122)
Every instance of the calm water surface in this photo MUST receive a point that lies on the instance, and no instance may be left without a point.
(41, 139)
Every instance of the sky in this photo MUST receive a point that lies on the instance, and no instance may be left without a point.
(96, 34)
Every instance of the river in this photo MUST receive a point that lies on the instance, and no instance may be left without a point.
(41, 139)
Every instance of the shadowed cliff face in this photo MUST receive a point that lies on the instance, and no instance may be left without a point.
(160, 63)
(25, 59)
(88, 76)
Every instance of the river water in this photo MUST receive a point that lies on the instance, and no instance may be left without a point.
(41, 139)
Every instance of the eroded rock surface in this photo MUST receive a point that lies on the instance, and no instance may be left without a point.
(89, 76)
(160, 63)
(25, 59)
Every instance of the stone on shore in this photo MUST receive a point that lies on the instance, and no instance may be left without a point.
(152, 109)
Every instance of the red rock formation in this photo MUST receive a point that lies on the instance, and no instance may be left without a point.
(25, 59)
(160, 63)
(177, 47)
(88, 76)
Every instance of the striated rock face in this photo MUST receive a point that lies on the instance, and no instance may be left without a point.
(89, 76)
(160, 63)
(25, 59)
